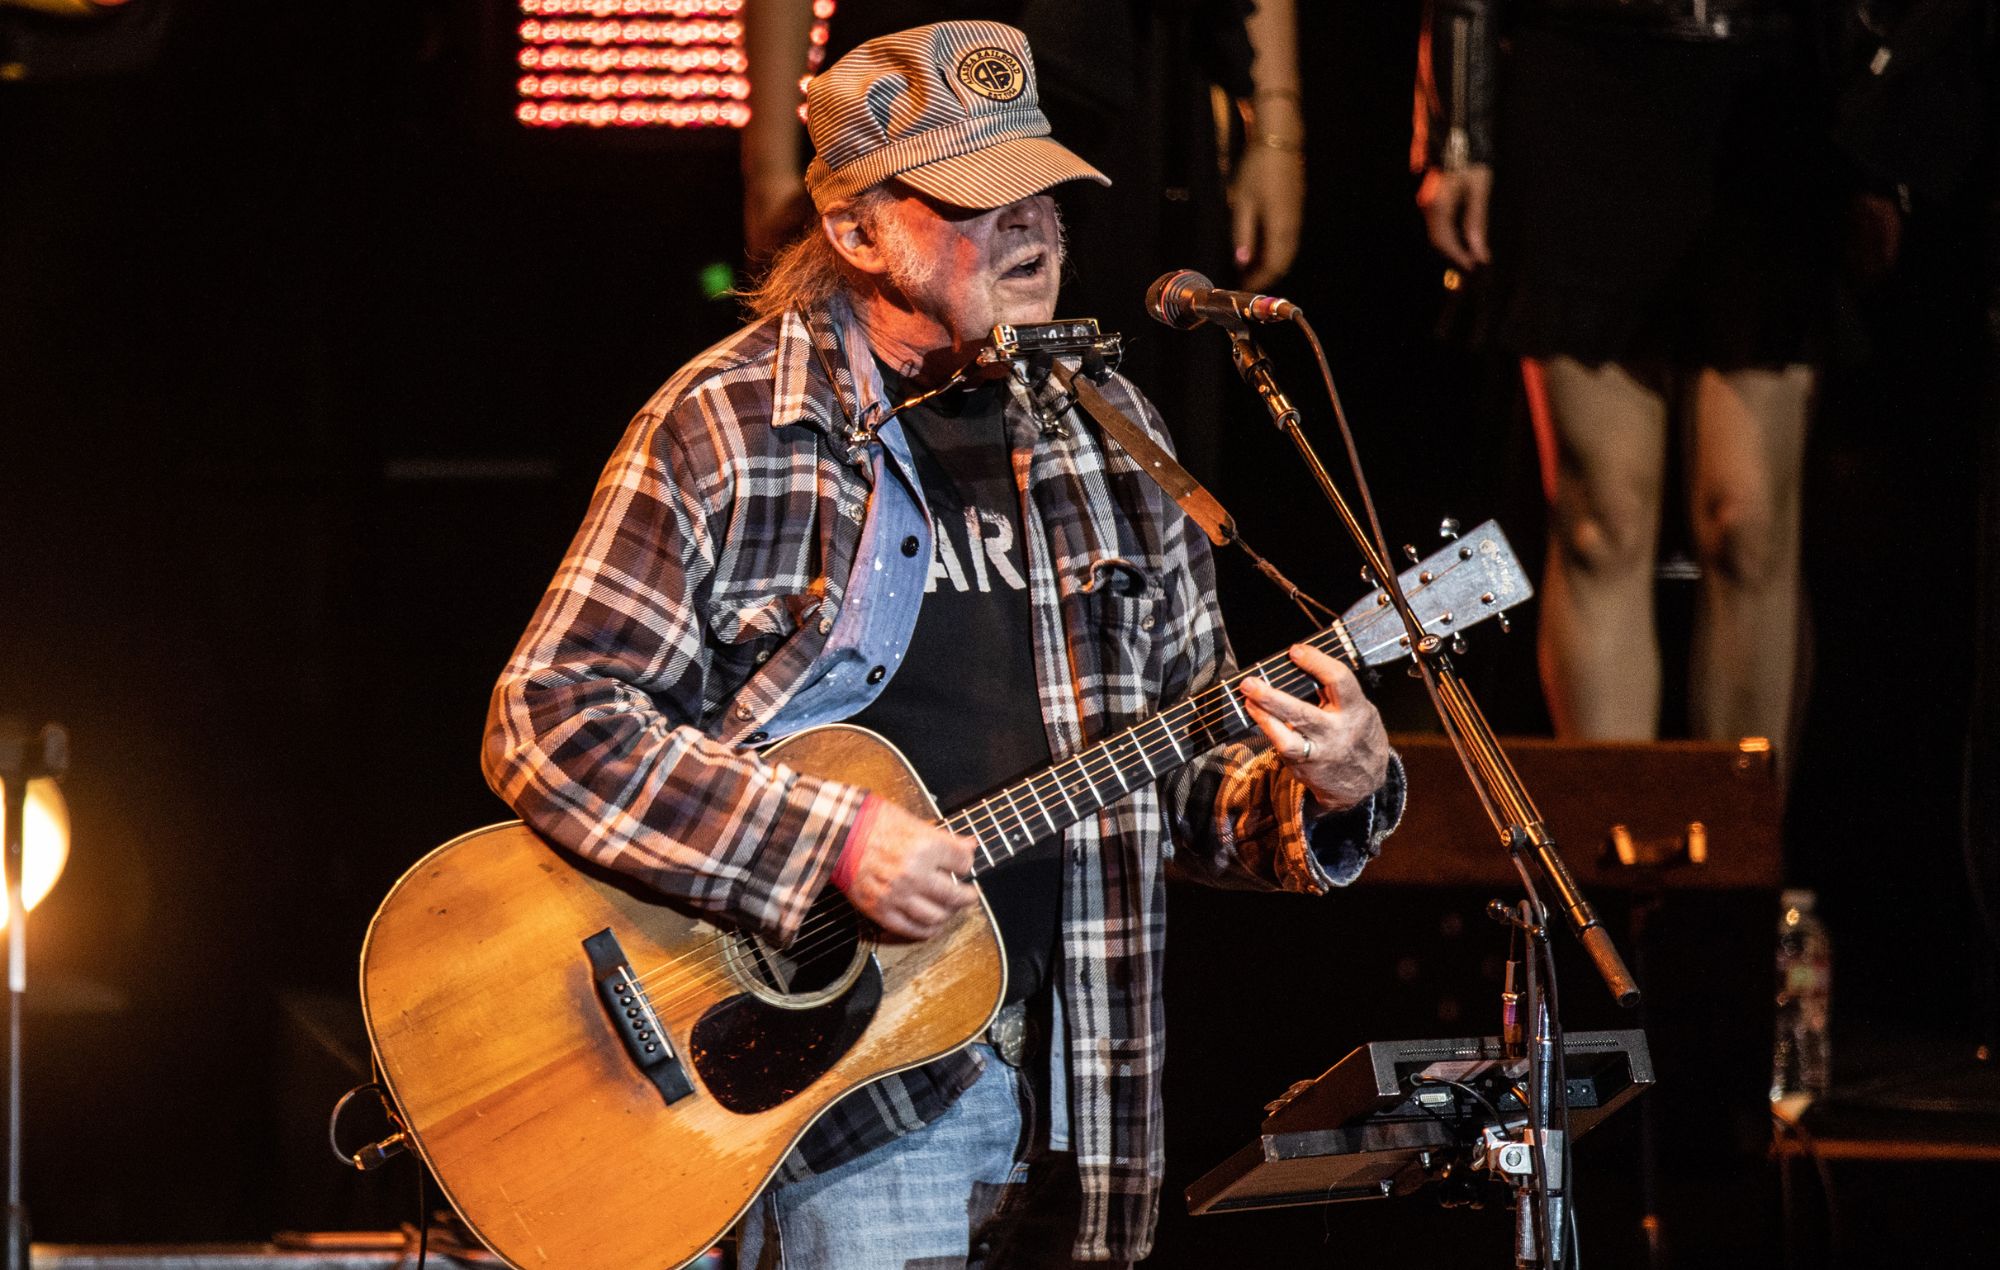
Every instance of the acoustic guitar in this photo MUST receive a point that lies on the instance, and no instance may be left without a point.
(602, 1081)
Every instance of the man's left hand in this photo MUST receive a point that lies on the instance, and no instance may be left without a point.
(1338, 746)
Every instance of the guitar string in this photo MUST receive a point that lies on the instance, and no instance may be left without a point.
(820, 932)
(826, 930)
(1110, 758)
(1207, 709)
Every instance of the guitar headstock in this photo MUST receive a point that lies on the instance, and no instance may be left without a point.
(1460, 584)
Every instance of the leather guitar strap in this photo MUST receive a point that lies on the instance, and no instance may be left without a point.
(1179, 484)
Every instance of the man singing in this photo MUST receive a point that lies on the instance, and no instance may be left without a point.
(787, 538)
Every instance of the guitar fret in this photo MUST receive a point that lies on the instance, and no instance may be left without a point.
(1145, 758)
(1008, 846)
(1236, 704)
(1074, 814)
(1020, 823)
(1040, 806)
(1084, 772)
(985, 846)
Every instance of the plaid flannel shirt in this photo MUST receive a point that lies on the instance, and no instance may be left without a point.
(695, 600)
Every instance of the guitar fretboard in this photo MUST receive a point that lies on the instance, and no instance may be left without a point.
(1024, 813)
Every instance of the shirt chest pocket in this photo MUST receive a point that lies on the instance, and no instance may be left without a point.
(745, 629)
(1124, 605)
(746, 616)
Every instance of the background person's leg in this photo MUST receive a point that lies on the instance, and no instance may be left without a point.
(1602, 434)
(1747, 452)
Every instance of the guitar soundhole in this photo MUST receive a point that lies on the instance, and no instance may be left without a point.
(754, 1056)
(832, 946)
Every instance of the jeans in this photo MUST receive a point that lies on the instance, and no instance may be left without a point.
(956, 1194)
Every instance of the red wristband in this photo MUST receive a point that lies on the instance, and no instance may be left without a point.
(856, 844)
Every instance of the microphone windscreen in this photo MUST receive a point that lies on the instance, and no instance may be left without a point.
(1170, 298)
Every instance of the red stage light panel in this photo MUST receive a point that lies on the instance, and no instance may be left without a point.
(632, 64)
(639, 63)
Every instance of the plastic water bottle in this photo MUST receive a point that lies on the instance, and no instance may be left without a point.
(1800, 1057)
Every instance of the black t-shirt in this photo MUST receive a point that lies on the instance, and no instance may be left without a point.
(963, 706)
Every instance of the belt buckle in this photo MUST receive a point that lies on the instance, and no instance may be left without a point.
(1008, 1033)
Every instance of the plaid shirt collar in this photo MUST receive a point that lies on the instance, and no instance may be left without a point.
(825, 376)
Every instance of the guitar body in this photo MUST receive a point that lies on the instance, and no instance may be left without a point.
(516, 1088)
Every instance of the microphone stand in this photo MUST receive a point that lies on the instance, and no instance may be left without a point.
(22, 759)
(1515, 819)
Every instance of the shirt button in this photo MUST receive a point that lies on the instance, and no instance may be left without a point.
(825, 625)
(876, 675)
(757, 738)
(1146, 622)
(910, 545)
(742, 710)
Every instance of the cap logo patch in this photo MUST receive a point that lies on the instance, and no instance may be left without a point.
(993, 73)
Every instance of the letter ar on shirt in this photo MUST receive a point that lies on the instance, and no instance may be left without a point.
(975, 552)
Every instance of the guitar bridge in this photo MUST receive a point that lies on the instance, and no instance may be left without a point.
(633, 1019)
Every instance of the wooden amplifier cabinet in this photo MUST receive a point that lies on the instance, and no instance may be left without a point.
(1678, 814)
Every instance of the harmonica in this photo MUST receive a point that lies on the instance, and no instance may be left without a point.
(1078, 336)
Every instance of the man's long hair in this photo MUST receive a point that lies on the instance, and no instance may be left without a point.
(808, 272)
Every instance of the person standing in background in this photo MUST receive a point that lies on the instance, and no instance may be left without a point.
(1656, 241)
(1150, 93)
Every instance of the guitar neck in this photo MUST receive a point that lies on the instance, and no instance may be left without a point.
(1010, 821)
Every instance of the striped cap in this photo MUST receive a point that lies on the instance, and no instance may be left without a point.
(949, 109)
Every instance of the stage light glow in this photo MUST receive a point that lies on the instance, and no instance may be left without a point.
(717, 280)
(632, 63)
(640, 63)
(46, 842)
(64, 8)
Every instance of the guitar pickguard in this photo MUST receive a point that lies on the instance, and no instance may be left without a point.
(753, 1055)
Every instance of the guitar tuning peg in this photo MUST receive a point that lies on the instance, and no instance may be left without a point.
(1505, 624)
(1448, 529)
(1458, 645)
(1368, 578)
(1411, 552)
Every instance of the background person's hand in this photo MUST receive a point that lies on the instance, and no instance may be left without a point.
(1455, 205)
(1267, 207)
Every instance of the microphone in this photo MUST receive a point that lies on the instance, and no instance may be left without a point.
(1184, 299)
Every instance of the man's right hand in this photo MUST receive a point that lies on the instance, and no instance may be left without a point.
(906, 877)
(1454, 204)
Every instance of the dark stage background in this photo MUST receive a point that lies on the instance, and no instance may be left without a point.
(308, 358)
